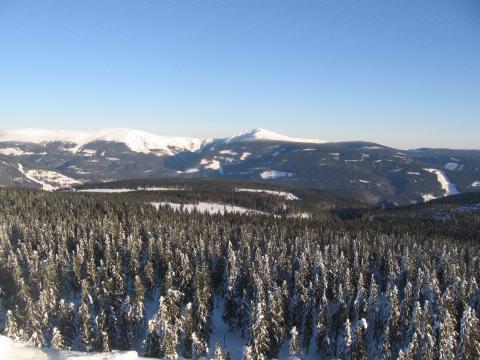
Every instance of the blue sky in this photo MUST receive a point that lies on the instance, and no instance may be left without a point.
(403, 73)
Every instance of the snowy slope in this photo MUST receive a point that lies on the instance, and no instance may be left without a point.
(136, 140)
(50, 180)
(262, 134)
(448, 187)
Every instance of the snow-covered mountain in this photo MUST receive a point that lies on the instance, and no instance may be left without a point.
(51, 159)
(135, 140)
(267, 135)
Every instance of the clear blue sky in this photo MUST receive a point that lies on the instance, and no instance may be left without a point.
(405, 73)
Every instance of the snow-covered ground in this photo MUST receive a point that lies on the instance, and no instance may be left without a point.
(274, 174)
(228, 152)
(123, 190)
(362, 181)
(245, 155)
(16, 152)
(50, 180)
(211, 164)
(476, 184)
(284, 194)
(15, 350)
(209, 208)
(448, 187)
(188, 171)
(428, 197)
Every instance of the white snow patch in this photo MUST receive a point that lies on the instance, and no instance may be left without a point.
(274, 174)
(50, 180)
(245, 155)
(16, 152)
(428, 197)
(284, 194)
(413, 173)
(447, 187)
(188, 171)
(211, 164)
(476, 184)
(16, 350)
(361, 181)
(89, 152)
(228, 152)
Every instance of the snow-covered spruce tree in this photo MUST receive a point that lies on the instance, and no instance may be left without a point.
(232, 300)
(294, 346)
(187, 330)
(308, 322)
(277, 319)
(220, 354)
(445, 328)
(359, 343)
(199, 346)
(469, 340)
(58, 341)
(346, 352)
(392, 333)
(427, 346)
(66, 322)
(11, 329)
(86, 328)
(414, 332)
(360, 303)
(259, 332)
(151, 345)
(202, 303)
(323, 340)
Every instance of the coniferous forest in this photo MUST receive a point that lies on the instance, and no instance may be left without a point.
(102, 273)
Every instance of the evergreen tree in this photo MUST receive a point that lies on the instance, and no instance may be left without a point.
(220, 354)
(294, 343)
(346, 352)
(359, 344)
(58, 342)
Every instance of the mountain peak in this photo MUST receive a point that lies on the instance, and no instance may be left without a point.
(267, 135)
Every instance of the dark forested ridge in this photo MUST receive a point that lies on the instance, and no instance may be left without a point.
(100, 272)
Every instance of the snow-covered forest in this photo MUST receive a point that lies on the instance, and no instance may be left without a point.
(95, 274)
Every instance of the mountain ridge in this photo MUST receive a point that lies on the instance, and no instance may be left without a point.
(52, 159)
